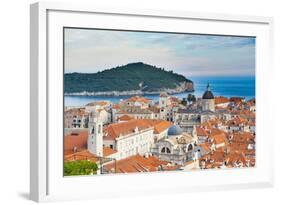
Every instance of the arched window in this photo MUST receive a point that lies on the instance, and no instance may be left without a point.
(165, 150)
(93, 131)
(190, 147)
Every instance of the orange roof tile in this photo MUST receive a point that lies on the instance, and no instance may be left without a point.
(82, 155)
(221, 99)
(116, 106)
(76, 111)
(100, 103)
(139, 99)
(86, 154)
(218, 137)
(201, 132)
(125, 118)
(108, 151)
(114, 130)
(136, 163)
(78, 140)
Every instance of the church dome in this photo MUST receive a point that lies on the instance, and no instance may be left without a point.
(175, 130)
(208, 93)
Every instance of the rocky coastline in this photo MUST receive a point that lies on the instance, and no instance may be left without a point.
(182, 87)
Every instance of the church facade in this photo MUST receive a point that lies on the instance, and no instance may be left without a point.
(203, 111)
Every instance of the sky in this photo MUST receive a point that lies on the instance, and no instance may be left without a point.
(91, 50)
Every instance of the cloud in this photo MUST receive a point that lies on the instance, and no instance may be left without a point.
(89, 50)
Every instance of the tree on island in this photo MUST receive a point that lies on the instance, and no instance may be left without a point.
(81, 167)
(191, 98)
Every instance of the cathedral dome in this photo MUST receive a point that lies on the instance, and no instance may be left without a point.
(175, 130)
(208, 93)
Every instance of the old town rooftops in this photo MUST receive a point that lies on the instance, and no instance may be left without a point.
(99, 103)
(87, 155)
(125, 118)
(134, 110)
(77, 142)
(138, 163)
(116, 130)
(76, 111)
(195, 111)
(221, 100)
(139, 99)
(201, 132)
(237, 121)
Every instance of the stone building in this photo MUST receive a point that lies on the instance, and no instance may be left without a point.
(178, 147)
(126, 138)
(193, 116)
(75, 118)
(208, 100)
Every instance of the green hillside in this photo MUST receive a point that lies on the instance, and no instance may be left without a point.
(133, 76)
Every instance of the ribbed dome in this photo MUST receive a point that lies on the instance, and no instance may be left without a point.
(208, 93)
(175, 130)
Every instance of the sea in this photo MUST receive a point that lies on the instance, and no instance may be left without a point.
(242, 86)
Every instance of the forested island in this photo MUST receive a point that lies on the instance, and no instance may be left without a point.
(130, 79)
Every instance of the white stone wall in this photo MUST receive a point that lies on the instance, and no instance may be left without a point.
(208, 104)
(95, 137)
(161, 135)
(107, 143)
(75, 121)
(223, 105)
(135, 116)
(136, 143)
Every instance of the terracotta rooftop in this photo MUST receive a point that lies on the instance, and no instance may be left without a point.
(154, 109)
(139, 99)
(237, 121)
(86, 154)
(76, 111)
(221, 99)
(218, 137)
(134, 110)
(236, 99)
(82, 155)
(136, 163)
(78, 140)
(100, 103)
(125, 118)
(108, 151)
(241, 137)
(201, 132)
(114, 130)
(116, 106)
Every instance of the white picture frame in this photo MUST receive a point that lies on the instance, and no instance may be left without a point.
(46, 179)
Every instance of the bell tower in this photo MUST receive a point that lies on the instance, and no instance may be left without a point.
(163, 103)
(95, 136)
(208, 100)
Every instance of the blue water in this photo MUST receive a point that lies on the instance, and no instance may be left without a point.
(220, 86)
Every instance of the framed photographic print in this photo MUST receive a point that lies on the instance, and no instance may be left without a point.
(124, 98)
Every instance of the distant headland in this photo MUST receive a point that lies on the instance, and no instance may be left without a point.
(131, 79)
